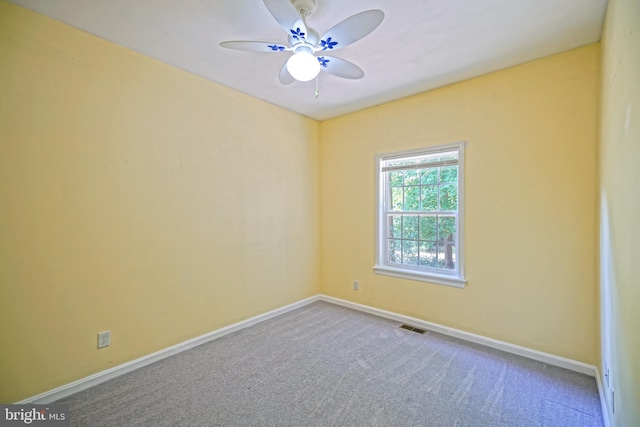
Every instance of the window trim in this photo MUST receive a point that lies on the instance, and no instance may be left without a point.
(416, 273)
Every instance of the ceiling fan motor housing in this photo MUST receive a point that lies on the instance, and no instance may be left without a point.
(304, 7)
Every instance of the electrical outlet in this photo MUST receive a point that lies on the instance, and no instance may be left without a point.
(104, 339)
(356, 285)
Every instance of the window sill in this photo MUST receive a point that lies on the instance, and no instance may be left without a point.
(421, 276)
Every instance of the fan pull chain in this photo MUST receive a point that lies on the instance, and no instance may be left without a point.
(317, 89)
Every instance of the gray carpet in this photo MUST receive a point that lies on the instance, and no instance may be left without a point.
(325, 365)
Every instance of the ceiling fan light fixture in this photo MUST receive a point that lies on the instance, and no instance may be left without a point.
(305, 42)
(303, 65)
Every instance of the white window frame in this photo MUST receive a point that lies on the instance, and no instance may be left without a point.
(442, 277)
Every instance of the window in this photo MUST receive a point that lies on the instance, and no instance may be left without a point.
(420, 197)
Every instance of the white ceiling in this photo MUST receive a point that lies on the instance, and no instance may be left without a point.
(420, 45)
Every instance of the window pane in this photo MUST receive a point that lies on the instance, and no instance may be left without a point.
(430, 176)
(395, 251)
(429, 197)
(448, 197)
(445, 255)
(395, 226)
(449, 174)
(396, 198)
(396, 178)
(452, 266)
(410, 227)
(428, 228)
(412, 198)
(427, 254)
(411, 177)
(447, 228)
(410, 252)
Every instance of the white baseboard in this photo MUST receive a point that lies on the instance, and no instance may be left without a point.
(100, 377)
(95, 379)
(550, 359)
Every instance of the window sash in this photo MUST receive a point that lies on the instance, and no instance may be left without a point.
(433, 251)
(419, 238)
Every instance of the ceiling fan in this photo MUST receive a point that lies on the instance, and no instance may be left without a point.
(308, 47)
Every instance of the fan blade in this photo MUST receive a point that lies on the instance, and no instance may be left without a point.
(351, 29)
(285, 77)
(340, 67)
(255, 46)
(285, 13)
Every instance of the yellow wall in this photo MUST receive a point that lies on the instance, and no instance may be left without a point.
(620, 209)
(137, 198)
(530, 207)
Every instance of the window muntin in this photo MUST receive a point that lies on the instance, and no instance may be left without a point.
(419, 199)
